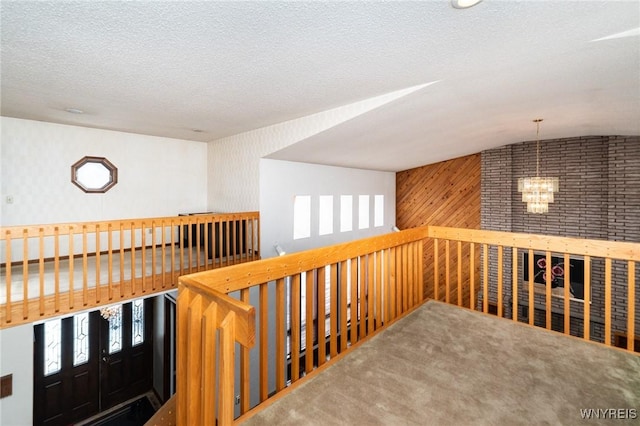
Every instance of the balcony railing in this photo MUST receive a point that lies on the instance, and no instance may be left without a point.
(306, 309)
(592, 295)
(55, 269)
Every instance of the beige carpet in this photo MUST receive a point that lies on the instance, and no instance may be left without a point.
(442, 365)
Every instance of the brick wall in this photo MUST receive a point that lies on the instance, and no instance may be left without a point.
(599, 198)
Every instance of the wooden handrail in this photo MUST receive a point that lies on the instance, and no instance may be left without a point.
(246, 276)
(207, 315)
(501, 253)
(365, 285)
(577, 246)
(56, 269)
(313, 306)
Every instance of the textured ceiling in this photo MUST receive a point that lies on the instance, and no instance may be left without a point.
(222, 68)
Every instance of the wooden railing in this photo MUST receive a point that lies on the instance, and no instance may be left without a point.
(311, 307)
(370, 283)
(592, 295)
(208, 315)
(55, 269)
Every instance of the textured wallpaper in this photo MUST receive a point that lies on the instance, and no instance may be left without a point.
(156, 176)
(234, 162)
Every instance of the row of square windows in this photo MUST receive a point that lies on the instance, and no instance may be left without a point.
(325, 206)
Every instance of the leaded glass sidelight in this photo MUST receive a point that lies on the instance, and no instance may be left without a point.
(137, 323)
(80, 339)
(115, 329)
(52, 347)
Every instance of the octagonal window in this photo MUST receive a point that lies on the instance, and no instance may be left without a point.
(94, 174)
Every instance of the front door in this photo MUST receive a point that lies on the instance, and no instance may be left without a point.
(86, 364)
(126, 353)
(66, 370)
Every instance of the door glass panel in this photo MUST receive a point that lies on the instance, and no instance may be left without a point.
(137, 325)
(52, 347)
(80, 339)
(115, 329)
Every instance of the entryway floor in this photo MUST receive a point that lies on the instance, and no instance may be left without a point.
(134, 412)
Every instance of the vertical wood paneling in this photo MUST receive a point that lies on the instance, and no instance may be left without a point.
(444, 194)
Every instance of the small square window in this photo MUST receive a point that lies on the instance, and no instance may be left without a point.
(363, 212)
(346, 213)
(302, 217)
(326, 215)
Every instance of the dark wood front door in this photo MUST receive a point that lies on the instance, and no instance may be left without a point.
(126, 358)
(65, 380)
(86, 364)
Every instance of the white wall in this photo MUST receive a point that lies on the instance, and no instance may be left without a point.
(156, 176)
(16, 357)
(281, 181)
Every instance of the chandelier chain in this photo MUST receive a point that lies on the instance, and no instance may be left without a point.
(538, 120)
(538, 191)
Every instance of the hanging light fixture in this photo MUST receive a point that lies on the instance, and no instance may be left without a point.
(537, 191)
(107, 312)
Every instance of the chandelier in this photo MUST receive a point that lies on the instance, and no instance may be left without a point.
(537, 191)
(107, 312)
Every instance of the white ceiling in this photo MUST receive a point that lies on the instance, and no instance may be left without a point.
(169, 68)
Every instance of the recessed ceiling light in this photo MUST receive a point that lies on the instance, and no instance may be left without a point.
(74, 111)
(463, 4)
(197, 130)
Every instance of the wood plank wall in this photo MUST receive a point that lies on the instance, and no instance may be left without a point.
(443, 194)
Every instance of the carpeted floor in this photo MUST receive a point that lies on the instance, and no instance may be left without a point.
(442, 365)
